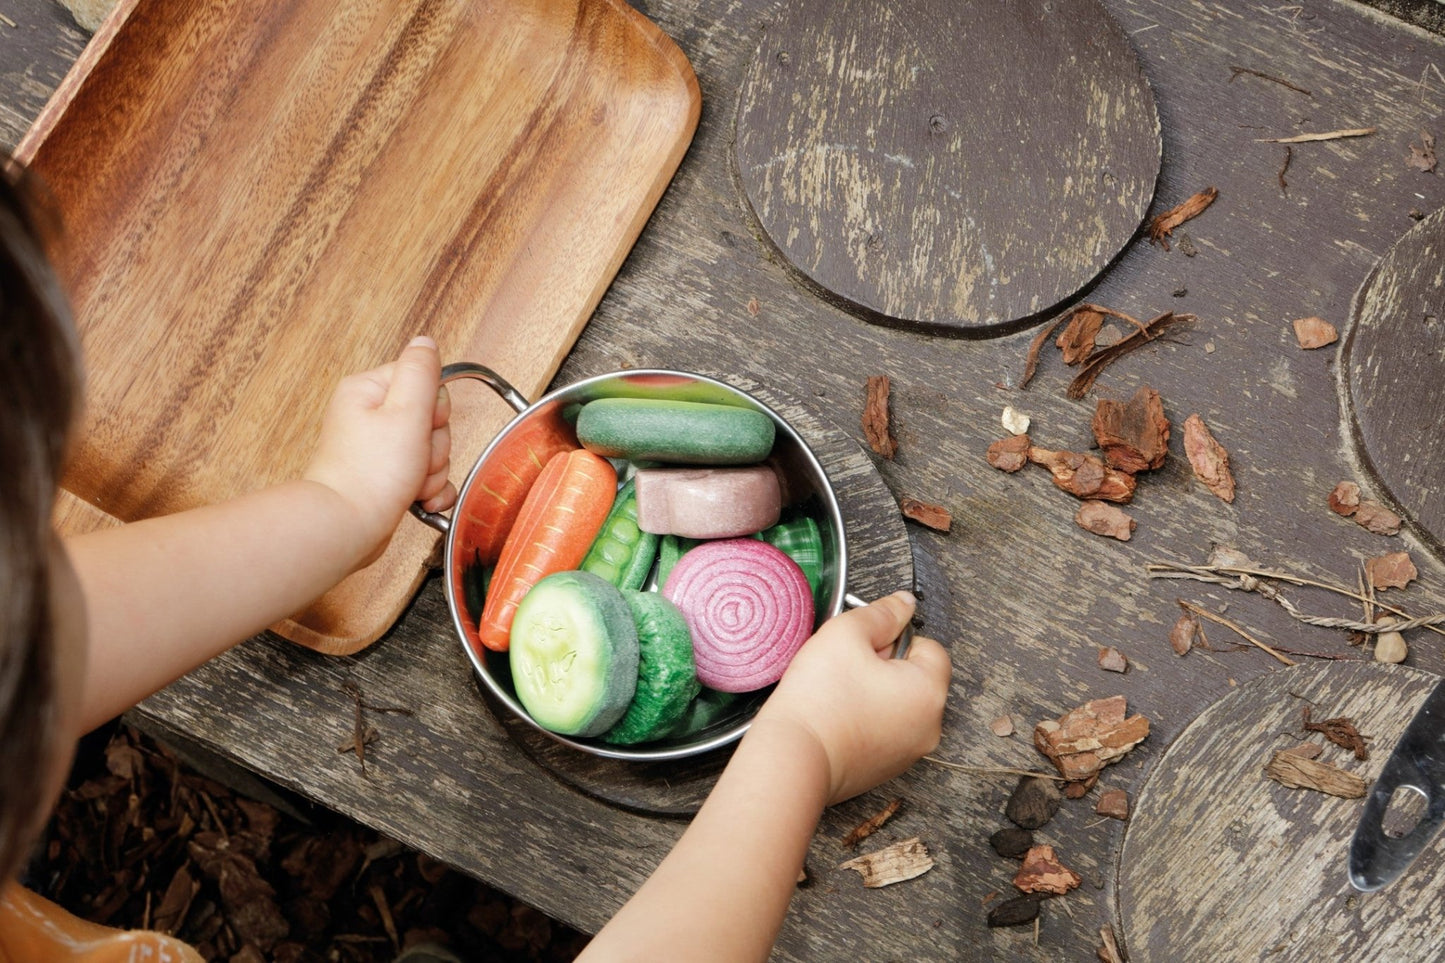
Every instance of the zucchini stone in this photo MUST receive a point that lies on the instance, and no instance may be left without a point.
(666, 677)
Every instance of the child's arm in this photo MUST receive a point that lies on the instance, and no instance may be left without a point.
(165, 594)
(843, 719)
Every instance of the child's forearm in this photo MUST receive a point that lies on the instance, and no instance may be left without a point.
(722, 893)
(165, 594)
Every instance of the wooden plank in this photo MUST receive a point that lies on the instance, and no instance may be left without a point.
(1022, 598)
(1222, 860)
(1392, 373)
(36, 53)
(945, 164)
(476, 172)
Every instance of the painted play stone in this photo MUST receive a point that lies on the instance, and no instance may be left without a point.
(1393, 361)
(951, 164)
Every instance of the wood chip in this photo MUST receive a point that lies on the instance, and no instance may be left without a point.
(1043, 873)
(1083, 741)
(1108, 951)
(1033, 802)
(1015, 912)
(1114, 804)
(1306, 749)
(1297, 772)
(935, 517)
(1012, 842)
(1374, 517)
(1003, 726)
(1078, 338)
(894, 864)
(1085, 476)
(1345, 498)
(1422, 155)
(1341, 731)
(872, 824)
(1394, 570)
(1163, 225)
(1112, 660)
(1015, 422)
(876, 427)
(1314, 333)
(1009, 454)
(1182, 636)
(1104, 357)
(1208, 458)
(1133, 435)
(1104, 519)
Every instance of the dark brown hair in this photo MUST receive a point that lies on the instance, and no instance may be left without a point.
(39, 395)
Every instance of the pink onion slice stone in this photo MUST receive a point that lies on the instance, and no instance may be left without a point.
(749, 607)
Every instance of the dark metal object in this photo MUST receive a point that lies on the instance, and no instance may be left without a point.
(1418, 763)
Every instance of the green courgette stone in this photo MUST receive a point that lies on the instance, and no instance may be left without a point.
(574, 654)
(669, 550)
(708, 707)
(666, 678)
(678, 432)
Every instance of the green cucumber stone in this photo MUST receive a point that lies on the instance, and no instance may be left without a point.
(706, 708)
(666, 677)
(574, 654)
(678, 432)
(669, 550)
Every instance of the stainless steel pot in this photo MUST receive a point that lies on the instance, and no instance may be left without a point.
(808, 489)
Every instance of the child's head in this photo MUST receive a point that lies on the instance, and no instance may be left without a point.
(39, 394)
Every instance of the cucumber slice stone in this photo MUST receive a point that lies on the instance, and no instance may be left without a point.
(666, 676)
(574, 654)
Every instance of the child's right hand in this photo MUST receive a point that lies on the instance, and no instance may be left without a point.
(873, 716)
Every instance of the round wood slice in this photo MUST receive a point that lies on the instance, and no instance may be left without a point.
(879, 561)
(1393, 361)
(1221, 863)
(953, 164)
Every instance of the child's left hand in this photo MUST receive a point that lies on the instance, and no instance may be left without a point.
(385, 443)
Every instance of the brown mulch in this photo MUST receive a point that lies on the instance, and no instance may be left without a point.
(139, 840)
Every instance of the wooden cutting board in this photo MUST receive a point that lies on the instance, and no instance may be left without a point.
(260, 197)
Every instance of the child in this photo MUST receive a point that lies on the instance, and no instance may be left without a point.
(91, 626)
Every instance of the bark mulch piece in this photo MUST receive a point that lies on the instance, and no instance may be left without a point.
(140, 841)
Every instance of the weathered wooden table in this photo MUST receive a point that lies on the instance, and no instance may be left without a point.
(1022, 596)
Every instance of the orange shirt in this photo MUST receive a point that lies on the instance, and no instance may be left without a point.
(35, 930)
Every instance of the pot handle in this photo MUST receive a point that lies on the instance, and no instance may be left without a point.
(905, 638)
(454, 372)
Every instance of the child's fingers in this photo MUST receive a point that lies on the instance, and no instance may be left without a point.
(415, 377)
(441, 451)
(883, 620)
(932, 658)
(443, 413)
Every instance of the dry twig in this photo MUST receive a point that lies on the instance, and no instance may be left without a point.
(1326, 135)
(1204, 613)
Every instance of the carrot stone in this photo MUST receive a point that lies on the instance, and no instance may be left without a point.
(559, 520)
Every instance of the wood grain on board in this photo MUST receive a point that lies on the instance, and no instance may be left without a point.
(1220, 862)
(953, 165)
(1392, 373)
(261, 198)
